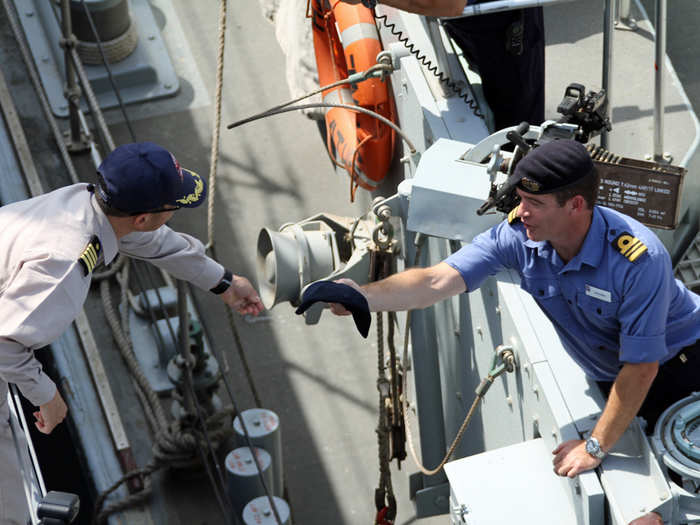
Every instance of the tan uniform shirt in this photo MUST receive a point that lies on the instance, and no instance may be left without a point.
(43, 286)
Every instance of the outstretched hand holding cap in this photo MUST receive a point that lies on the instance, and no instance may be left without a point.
(336, 292)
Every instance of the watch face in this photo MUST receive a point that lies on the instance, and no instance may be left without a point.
(593, 448)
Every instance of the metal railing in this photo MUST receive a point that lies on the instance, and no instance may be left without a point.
(620, 9)
(32, 479)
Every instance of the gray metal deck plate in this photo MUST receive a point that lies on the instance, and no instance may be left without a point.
(145, 74)
(688, 268)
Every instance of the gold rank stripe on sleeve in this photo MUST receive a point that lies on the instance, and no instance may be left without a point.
(88, 259)
(629, 246)
(513, 216)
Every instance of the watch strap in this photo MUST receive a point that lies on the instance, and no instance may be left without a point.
(224, 283)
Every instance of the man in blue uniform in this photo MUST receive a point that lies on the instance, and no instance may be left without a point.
(603, 279)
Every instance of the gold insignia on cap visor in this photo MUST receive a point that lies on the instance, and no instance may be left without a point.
(530, 184)
(198, 188)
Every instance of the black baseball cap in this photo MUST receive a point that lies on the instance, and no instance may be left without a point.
(332, 292)
(553, 166)
(143, 176)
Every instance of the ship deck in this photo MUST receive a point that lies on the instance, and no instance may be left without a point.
(319, 379)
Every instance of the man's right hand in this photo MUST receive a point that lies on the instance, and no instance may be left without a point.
(50, 414)
(243, 297)
(339, 309)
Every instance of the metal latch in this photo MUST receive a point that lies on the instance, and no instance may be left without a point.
(461, 511)
(58, 508)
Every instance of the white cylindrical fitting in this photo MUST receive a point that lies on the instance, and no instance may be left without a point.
(242, 476)
(264, 430)
(258, 512)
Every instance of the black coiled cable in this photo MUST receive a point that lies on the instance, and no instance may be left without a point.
(423, 60)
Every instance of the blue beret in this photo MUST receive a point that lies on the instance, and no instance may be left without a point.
(553, 166)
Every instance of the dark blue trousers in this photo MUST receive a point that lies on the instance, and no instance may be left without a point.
(513, 83)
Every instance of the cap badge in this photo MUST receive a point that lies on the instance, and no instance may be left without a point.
(177, 167)
(530, 184)
(198, 188)
(631, 247)
(91, 253)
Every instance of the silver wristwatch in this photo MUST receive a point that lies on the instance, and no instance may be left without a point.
(593, 448)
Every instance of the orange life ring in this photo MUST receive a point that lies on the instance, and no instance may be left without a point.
(360, 143)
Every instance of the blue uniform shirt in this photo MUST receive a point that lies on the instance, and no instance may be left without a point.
(606, 309)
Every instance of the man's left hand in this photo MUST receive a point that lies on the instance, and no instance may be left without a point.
(571, 458)
(242, 297)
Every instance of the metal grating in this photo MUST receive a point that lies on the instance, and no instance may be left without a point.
(688, 269)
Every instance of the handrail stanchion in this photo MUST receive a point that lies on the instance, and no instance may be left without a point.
(608, 26)
(623, 15)
(660, 64)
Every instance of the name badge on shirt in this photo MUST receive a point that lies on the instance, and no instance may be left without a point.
(597, 293)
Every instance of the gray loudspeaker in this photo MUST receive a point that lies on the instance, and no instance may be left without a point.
(290, 259)
(276, 267)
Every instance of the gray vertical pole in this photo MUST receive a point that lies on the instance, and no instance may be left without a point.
(608, 25)
(622, 10)
(184, 318)
(623, 15)
(660, 60)
(72, 91)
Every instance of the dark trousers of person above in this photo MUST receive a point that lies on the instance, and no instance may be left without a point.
(676, 379)
(507, 50)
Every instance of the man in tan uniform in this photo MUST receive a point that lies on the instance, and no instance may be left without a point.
(49, 246)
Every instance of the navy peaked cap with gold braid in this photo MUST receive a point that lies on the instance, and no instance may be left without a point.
(629, 246)
(143, 176)
(91, 254)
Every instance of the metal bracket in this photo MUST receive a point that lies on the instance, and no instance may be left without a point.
(430, 501)
(393, 203)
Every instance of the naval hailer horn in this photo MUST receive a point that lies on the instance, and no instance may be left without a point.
(322, 247)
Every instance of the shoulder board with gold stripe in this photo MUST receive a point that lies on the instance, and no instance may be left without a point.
(629, 246)
(91, 253)
(513, 216)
